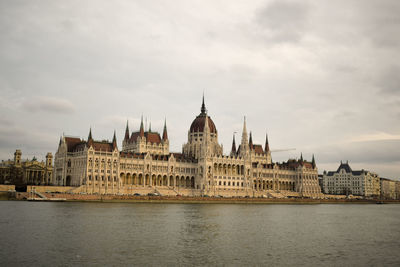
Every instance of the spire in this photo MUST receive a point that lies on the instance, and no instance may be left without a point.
(233, 152)
(126, 131)
(301, 157)
(59, 142)
(114, 142)
(251, 142)
(90, 139)
(90, 134)
(244, 146)
(150, 127)
(313, 162)
(266, 144)
(203, 106)
(165, 134)
(141, 128)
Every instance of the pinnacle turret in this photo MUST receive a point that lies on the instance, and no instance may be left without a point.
(141, 128)
(251, 142)
(266, 149)
(126, 131)
(90, 139)
(114, 142)
(233, 151)
(244, 146)
(165, 134)
(313, 162)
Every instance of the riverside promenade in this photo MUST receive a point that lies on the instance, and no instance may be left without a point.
(200, 200)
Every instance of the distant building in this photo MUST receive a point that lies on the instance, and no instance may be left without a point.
(201, 168)
(26, 172)
(345, 181)
(390, 189)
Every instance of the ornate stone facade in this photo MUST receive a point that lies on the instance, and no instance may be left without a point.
(201, 169)
(26, 172)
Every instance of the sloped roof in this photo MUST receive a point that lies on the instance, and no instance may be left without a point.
(72, 142)
(258, 149)
(152, 137)
(344, 166)
(103, 146)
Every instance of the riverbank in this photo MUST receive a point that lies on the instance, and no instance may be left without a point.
(186, 199)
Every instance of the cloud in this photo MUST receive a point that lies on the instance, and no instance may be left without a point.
(375, 137)
(381, 22)
(48, 104)
(330, 73)
(389, 81)
(283, 21)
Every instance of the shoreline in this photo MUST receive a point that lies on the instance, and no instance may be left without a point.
(54, 197)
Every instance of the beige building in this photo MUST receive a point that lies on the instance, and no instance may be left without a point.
(145, 162)
(345, 181)
(390, 189)
(21, 172)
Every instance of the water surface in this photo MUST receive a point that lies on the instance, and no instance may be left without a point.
(113, 234)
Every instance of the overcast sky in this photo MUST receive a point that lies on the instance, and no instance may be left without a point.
(319, 76)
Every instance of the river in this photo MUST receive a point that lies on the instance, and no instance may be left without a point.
(121, 234)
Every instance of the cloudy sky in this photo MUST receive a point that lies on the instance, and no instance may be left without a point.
(319, 76)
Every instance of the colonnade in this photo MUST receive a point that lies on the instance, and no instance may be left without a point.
(260, 185)
(37, 177)
(139, 179)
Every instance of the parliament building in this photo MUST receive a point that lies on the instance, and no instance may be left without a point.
(145, 164)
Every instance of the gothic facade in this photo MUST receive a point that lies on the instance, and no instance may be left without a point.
(145, 162)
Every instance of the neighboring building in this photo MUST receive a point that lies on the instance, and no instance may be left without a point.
(397, 189)
(389, 189)
(145, 162)
(26, 172)
(345, 181)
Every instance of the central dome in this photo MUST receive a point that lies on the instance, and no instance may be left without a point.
(198, 123)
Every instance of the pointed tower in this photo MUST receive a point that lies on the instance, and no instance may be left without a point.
(165, 134)
(114, 142)
(313, 162)
(266, 149)
(126, 132)
(301, 157)
(244, 146)
(90, 139)
(233, 151)
(251, 146)
(206, 138)
(203, 107)
(141, 134)
(90, 134)
(149, 127)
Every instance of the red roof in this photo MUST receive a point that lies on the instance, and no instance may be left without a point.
(72, 142)
(295, 164)
(258, 149)
(151, 137)
(199, 122)
(103, 146)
